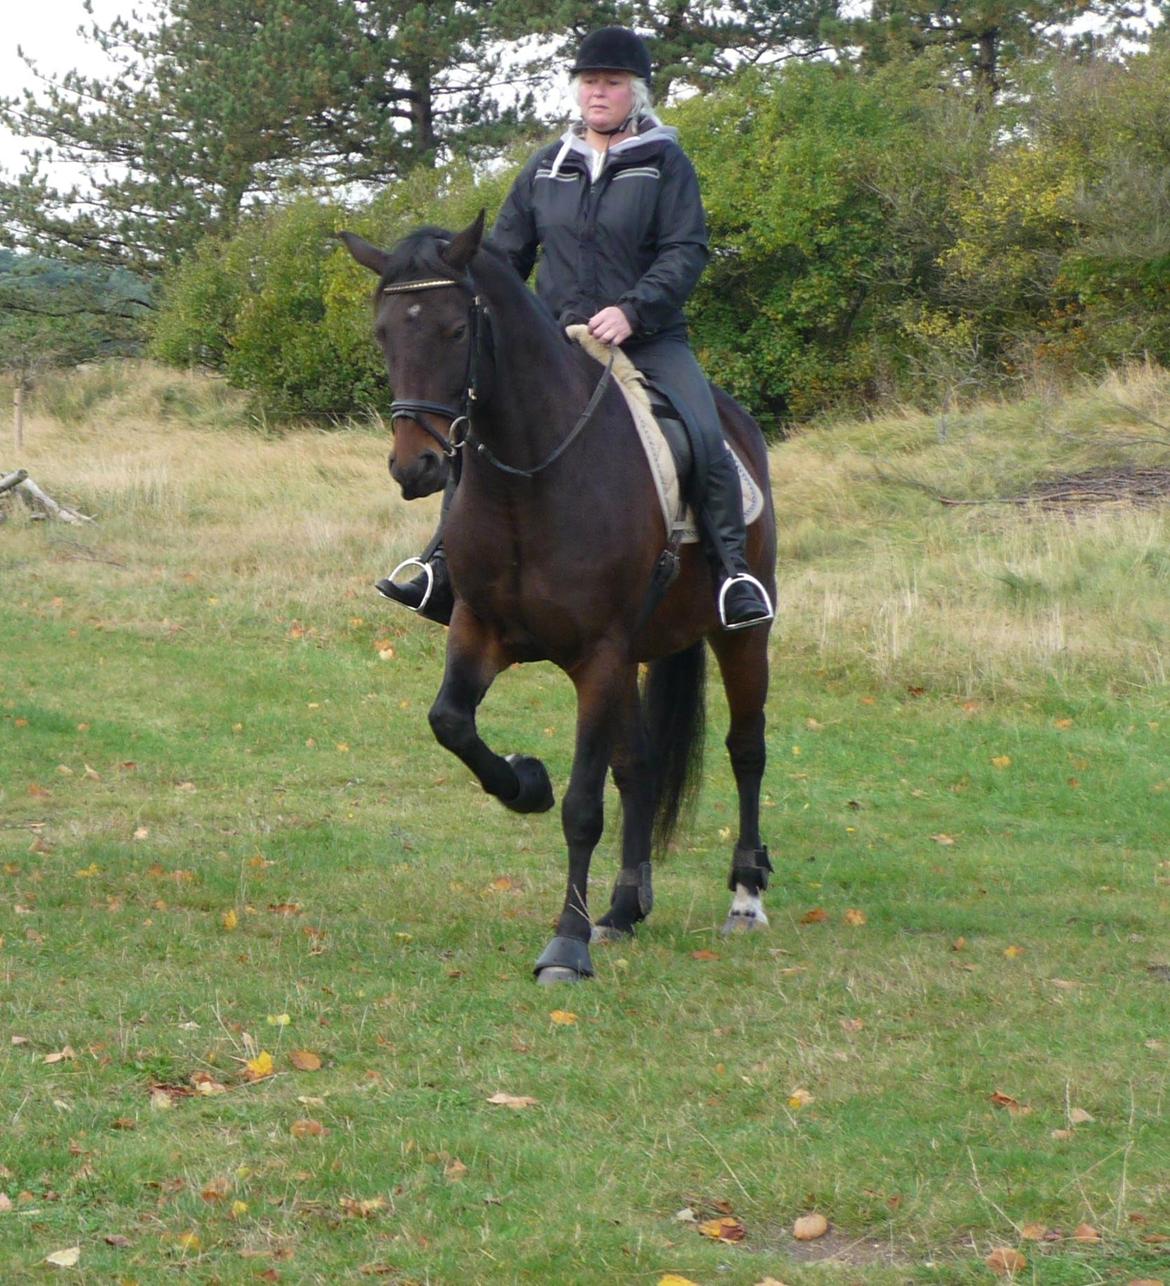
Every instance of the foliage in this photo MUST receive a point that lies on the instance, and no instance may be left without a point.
(219, 104)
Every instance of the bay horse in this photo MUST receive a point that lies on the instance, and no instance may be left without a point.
(552, 541)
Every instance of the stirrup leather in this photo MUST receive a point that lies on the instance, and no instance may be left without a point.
(430, 575)
(741, 579)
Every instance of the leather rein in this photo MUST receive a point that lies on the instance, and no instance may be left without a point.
(414, 409)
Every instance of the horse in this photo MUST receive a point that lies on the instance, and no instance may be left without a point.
(553, 538)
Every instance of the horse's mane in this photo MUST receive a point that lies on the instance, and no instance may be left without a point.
(419, 254)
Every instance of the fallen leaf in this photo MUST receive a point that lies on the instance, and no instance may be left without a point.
(1002, 761)
(454, 1171)
(1014, 1106)
(216, 1190)
(854, 917)
(5, 1203)
(1034, 1231)
(279, 1020)
(514, 1101)
(818, 915)
(230, 920)
(704, 954)
(304, 1060)
(727, 1228)
(307, 1128)
(852, 1024)
(64, 1258)
(189, 1241)
(944, 839)
(686, 1215)
(1086, 1233)
(1061, 1136)
(799, 1098)
(810, 1227)
(1004, 1262)
(61, 1056)
(1078, 1116)
(362, 1209)
(563, 1017)
(256, 1069)
(285, 908)
(117, 1239)
(673, 1279)
(1012, 953)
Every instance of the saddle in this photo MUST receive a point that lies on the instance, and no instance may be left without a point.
(665, 441)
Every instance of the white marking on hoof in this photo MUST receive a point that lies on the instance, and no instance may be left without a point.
(552, 974)
(746, 914)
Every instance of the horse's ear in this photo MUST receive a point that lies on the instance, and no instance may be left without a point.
(463, 246)
(369, 256)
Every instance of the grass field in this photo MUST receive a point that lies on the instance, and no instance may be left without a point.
(265, 949)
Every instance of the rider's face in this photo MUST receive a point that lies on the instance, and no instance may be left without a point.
(606, 98)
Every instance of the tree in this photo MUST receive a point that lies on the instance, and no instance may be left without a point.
(54, 315)
(979, 37)
(220, 103)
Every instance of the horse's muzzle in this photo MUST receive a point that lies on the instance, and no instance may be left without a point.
(423, 476)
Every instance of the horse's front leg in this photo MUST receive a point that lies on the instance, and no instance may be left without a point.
(602, 687)
(475, 656)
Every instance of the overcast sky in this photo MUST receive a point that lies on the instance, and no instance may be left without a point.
(46, 30)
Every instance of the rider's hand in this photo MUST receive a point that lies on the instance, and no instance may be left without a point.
(611, 326)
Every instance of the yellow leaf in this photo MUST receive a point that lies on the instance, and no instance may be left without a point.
(239, 1208)
(230, 920)
(563, 1017)
(256, 1069)
(673, 1279)
(1002, 761)
(727, 1228)
(1013, 953)
(854, 917)
(189, 1241)
(279, 1020)
(799, 1099)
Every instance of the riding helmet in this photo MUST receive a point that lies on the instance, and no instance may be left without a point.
(613, 49)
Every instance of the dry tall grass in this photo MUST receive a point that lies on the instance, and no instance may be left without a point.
(880, 583)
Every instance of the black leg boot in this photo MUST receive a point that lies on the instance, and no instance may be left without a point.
(429, 593)
(743, 601)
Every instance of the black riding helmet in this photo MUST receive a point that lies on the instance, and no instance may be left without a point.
(613, 49)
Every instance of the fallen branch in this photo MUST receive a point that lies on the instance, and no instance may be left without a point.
(42, 505)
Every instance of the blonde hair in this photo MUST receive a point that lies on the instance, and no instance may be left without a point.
(643, 103)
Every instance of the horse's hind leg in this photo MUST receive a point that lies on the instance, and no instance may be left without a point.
(743, 663)
(633, 894)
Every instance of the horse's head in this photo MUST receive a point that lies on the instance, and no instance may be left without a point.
(423, 322)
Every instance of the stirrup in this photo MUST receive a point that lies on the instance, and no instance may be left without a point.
(743, 578)
(429, 572)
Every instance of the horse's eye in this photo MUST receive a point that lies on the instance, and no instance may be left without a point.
(459, 330)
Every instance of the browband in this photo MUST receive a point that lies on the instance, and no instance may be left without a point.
(403, 287)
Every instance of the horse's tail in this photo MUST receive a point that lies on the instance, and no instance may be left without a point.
(674, 708)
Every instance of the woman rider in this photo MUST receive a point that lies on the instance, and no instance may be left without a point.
(614, 205)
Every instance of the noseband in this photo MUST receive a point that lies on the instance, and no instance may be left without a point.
(413, 409)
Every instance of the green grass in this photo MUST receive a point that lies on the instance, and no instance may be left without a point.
(230, 731)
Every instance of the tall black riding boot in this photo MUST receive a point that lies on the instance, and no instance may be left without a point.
(429, 593)
(743, 601)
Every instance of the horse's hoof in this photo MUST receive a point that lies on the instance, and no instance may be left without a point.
(563, 960)
(535, 794)
(743, 922)
(611, 933)
(550, 976)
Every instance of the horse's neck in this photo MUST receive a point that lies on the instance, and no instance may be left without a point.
(540, 383)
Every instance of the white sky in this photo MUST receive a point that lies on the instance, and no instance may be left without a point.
(47, 31)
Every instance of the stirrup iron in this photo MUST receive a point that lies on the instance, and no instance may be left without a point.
(428, 570)
(743, 578)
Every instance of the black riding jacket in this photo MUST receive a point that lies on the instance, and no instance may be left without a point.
(635, 236)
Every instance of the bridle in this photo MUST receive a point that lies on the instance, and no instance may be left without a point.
(414, 409)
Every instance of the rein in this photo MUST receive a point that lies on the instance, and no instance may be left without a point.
(412, 409)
